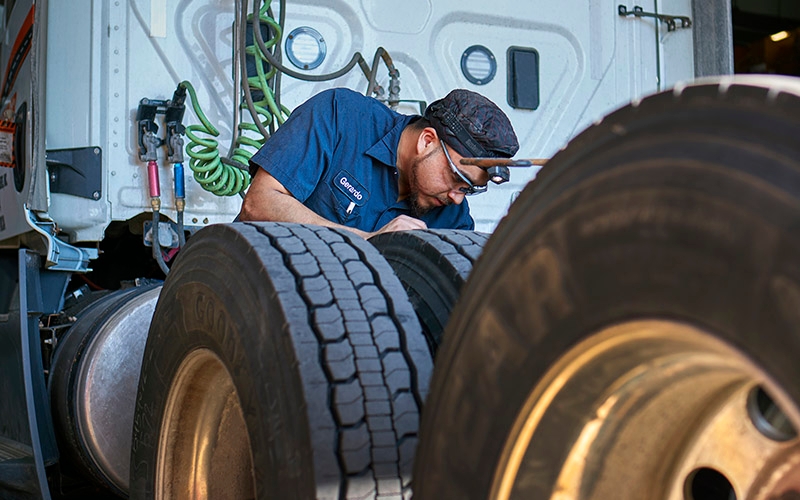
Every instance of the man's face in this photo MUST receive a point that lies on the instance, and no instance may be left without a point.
(434, 183)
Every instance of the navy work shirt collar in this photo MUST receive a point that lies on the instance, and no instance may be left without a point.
(385, 150)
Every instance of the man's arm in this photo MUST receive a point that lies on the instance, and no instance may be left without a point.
(268, 200)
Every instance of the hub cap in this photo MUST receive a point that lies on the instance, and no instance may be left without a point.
(658, 410)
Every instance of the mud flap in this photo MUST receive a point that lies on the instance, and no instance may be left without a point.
(27, 440)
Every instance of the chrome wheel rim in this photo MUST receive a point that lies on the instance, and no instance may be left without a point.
(652, 409)
(204, 448)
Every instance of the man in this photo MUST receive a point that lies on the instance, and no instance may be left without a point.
(346, 160)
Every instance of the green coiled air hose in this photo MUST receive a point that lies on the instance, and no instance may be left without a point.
(204, 157)
(229, 177)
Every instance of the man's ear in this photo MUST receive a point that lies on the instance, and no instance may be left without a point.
(427, 138)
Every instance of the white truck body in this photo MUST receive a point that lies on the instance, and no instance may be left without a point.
(104, 56)
(75, 71)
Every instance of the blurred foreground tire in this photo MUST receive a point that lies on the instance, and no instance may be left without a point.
(633, 327)
(283, 361)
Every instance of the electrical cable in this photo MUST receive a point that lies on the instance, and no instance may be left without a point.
(229, 176)
(257, 111)
(369, 72)
(276, 82)
(157, 244)
(89, 282)
(356, 59)
(236, 76)
(266, 111)
(154, 188)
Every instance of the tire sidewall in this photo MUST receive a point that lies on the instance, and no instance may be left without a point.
(201, 316)
(589, 248)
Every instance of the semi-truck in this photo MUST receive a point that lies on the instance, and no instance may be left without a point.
(621, 324)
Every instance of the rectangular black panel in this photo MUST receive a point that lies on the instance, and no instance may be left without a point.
(523, 78)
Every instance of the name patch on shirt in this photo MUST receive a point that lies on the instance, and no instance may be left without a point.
(353, 189)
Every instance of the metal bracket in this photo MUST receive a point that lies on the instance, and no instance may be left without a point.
(671, 21)
(76, 171)
(173, 111)
(173, 118)
(59, 255)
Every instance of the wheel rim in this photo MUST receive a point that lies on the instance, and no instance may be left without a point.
(204, 449)
(652, 409)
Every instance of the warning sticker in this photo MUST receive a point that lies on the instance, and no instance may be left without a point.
(7, 143)
(9, 108)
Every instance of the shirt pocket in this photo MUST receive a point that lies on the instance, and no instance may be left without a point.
(347, 197)
(345, 212)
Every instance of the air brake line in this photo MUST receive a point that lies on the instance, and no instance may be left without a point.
(173, 118)
(228, 176)
(149, 143)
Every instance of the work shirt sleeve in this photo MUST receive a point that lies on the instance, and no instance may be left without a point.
(300, 151)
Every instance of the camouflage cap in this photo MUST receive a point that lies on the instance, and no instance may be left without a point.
(473, 125)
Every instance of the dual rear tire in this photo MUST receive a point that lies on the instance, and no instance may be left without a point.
(283, 362)
(433, 265)
(639, 305)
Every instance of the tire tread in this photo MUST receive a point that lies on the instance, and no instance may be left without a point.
(352, 309)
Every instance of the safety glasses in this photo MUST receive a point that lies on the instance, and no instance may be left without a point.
(472, 188)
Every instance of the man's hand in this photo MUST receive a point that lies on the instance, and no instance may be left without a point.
(401, 223)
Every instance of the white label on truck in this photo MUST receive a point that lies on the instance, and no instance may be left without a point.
(158, 18)
(7, 144)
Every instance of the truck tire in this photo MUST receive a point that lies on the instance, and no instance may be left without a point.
(633, 327)
(93, 381)
(433, 265)
(283, 361)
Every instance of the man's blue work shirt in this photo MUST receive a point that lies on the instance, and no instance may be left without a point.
(337, 154)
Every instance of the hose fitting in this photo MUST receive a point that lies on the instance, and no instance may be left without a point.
(152, 178)
(180, 185)
(180, 201)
